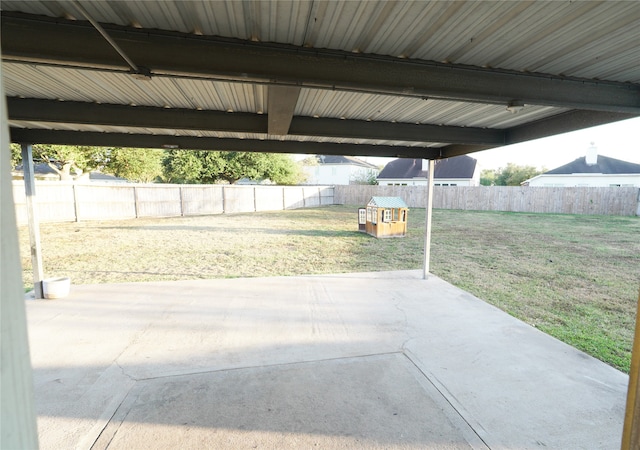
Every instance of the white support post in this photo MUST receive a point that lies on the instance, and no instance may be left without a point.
(32, 214)
(17, 412)
(427, 234)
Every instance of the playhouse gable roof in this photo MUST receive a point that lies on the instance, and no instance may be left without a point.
(387, 202)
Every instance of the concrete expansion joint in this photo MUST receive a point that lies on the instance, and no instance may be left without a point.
(263, 366)
(451, 400)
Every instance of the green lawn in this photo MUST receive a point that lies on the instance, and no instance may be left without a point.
(574, 277)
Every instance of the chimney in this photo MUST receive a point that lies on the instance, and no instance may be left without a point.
(592, 155)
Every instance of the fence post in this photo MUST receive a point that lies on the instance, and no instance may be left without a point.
(181, 202)
(135, 200)
(224, 200)
(284, 200)
(75, 203)
(255, 199)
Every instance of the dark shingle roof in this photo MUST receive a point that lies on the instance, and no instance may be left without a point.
(333, 159)
(604, 165)
(458, 167)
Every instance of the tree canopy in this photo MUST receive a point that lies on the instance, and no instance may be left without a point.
(200, 166)
(73, 161)
(511, 175)
(135, 164)
(174, 166)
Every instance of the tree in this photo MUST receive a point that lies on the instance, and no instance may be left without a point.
(201, 166)
(64, 159)
(366, 177)
(134, 164)
(488, 177)
(511, 175)
(16, 155)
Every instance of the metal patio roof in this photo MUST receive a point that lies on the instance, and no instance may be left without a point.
(423, 79)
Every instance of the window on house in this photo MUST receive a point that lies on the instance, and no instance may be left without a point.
(386, 215)
(395, 215)
(362, 216)
(404, 215)
(453, 184)
(368, 214)
(374, 215)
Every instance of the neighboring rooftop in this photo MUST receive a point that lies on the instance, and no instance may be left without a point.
(456, 167)
(335, 159)
(604, 165)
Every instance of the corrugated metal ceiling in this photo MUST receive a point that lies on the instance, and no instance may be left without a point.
(538, 36)
(596, 40)
(120, 88)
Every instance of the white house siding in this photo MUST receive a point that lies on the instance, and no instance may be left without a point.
(332, 174)
(586, 180)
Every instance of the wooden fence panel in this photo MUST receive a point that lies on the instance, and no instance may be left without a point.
(269, 198)
(201, 200)
(622, 201)
(239, 199)
(154, 202)
(103, 202)
(326, 195)
(55, 202)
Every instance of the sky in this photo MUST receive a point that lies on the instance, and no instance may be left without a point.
(620, 140)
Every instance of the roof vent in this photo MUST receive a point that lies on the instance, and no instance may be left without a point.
(592, 155)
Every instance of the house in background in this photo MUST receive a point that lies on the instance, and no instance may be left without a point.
(331, 170)
(592, 170)
(456, 171)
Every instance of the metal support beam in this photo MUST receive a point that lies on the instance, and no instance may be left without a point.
(17, 411)
(208, 143)
(52, 111)
(427, 234)
(32, 214)
(631, 430)
(549, 126)
(30, 38)
(281, 106)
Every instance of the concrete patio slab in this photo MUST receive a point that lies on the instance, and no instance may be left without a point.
(373, 360)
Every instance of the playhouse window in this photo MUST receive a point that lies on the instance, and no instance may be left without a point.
(374, 215)
(368, 214)
(387, 215)
(395, 215)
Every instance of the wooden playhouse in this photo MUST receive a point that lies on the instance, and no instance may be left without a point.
(384, 217)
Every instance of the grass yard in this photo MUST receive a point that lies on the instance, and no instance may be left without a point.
(574, 277)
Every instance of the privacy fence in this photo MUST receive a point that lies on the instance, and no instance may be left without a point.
(617, 201)
(68, 202)
(62, 202)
